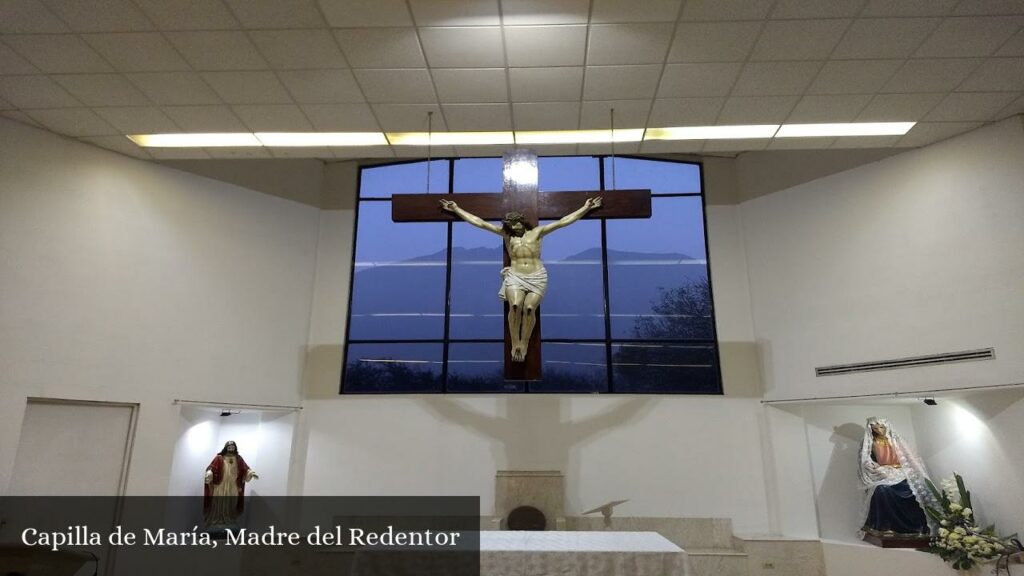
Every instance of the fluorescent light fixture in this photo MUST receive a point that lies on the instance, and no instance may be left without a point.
(712, 132)
(845, 129)
(449, 138)
(321, 139)
(207, 140)
(578, 136)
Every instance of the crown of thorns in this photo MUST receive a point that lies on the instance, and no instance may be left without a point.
(516, 217)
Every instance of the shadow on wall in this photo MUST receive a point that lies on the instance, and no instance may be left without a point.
(841, 491)
(537, 432)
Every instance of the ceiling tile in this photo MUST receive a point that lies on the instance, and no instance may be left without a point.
(898, 107)
(853, 76)
(35, 92)
(174, 88)
(969, 36)
(866, 142)
(1015, 107)
(997, 75)
(828, 108)
(188, 14)
(138, 120)
(118, 144)
(102, 90)
(5, 105)
(11, 63)
(321, 86)
(672, 146)
(930, 75)
(924, 133)
(611, 11)
(698, 10)
(970, 106)
(478, 117)
(409, 117)
(217, 50)
(539, 12)
(620, 82)
(546, 84)
(137, 51)
(100, 15)
(381, 47)
(745, 145)
(455, 12)
(204, 118)
(446, 47)
(178, 153)
(775, 78)
(698, 80)
(298, 49)
(800, 143)
(629, 43)
(277, 13)
(58, 53)
(360, 13)
(19, 116)
(1014, 46)
(470, 84)
(908, 8)
(684, 112)
(798, 39)
(397, 86)
(800, 9)
(72, 121)
(756, 109)
(247, 87)
(242, 152)
(713, 41)
(985, 7)
(273, 118)
(884, 37)
(546, 115)
(596, 115)
(28, 17)
(545, 45)
(341, 117)
(363, 152)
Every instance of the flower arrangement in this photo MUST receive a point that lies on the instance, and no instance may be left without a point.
(960, 541)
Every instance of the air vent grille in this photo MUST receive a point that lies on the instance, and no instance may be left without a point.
(912, 362)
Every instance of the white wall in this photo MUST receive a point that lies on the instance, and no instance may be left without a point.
(917, 253)
(126, 281)
(981, 437)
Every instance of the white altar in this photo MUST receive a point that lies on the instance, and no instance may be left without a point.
(584, 553)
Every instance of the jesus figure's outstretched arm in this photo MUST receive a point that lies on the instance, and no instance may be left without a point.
(473, 219)
(589, 205)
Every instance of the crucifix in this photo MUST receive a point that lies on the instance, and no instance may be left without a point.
(521, 207)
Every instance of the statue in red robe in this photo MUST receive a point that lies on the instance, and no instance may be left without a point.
(224, 487)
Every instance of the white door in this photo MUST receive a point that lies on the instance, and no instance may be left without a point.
(72, 449)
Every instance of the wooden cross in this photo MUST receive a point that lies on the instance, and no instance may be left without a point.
(520, 194)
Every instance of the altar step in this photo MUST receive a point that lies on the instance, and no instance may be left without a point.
(718, 562)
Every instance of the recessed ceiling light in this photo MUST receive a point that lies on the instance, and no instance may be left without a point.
(712, 132)
(449, 138)
(845, 129)
(299, 139)
(578, 136)
(203, 140)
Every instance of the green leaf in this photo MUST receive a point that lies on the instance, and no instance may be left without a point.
(965, 496)
(935, 491)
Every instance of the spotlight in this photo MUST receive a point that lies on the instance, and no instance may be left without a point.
(225, 413)
(930, 401)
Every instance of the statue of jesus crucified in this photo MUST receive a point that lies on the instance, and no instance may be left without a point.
(525, 281)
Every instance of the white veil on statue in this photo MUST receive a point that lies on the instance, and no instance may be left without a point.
(873, 474)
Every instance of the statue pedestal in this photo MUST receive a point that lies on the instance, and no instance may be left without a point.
(897, 541)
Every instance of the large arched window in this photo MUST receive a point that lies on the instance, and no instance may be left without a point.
(628, 311)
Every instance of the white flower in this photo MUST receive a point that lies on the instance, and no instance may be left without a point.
(943, 532)
(967, 512)
(955, 507)
(944, 522)
(954, 536)
(960, 530)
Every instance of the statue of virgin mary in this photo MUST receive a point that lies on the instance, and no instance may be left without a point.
(894, 478)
